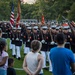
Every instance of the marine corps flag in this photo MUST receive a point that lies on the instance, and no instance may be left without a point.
(18, 14)
(43, 20)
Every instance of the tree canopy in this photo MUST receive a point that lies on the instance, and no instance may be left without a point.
(51, 9)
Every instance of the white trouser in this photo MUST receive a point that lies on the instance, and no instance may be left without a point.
(24, 47)
(26, 50)
(44, 56)
(18, 52)
(13, 50)
(47, 56)
(50, 65)
(10, 45)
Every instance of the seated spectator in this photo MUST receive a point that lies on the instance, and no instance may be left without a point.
(33, 61)
(10, 69)
(62, 58)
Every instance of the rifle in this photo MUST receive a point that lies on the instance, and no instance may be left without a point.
(52, 41)
(39, 26)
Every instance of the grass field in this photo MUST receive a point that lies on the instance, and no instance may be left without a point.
(18, 63)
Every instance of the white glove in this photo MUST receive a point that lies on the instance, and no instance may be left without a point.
(43, 41)
(28, 40)
(52, 42)
(17, 39)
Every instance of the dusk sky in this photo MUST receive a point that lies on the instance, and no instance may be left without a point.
(29, 1)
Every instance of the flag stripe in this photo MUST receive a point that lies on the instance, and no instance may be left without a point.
(12, 15)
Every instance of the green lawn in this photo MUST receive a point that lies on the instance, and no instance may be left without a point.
(18, 63)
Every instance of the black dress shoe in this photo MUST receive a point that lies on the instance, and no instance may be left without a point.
(14, 56)
(25, 54)
(47, 61)
(46, 68)
(19, 58)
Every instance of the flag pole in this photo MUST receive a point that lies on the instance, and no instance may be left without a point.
(18, 14)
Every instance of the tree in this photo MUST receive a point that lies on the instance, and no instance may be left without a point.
(51, 9)
(71, 14)
(5, 9)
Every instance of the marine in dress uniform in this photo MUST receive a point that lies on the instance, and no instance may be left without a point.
(13, 38)
(9, 31)
(67, 36)
(18, 43)
(24, 39)
(28, 38)
(57, 29)
(37, 33)
(52, 43)
(53, 31)
(10, 37)
(45, 41)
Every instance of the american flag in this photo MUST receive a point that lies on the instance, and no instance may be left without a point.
(12, 15)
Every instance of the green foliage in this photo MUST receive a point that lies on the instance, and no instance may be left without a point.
(52, 9)
(71, 14)
(5, 9)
